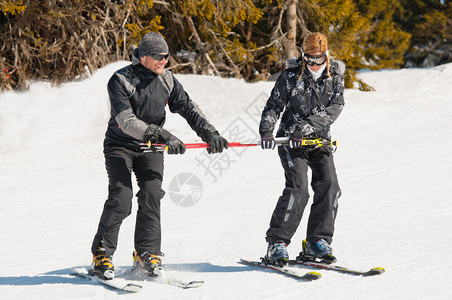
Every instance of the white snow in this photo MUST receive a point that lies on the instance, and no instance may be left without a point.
(393, 164)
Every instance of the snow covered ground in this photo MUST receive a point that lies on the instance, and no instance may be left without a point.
(393, 164)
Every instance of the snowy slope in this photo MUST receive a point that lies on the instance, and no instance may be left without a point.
(393, 165)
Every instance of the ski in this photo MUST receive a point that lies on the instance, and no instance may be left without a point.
(334, 267)
(183, 284)
(161, 277)
(125, 285)
(118, 284)
(310, 276)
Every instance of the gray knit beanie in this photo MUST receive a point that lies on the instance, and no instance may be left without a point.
(152, 42)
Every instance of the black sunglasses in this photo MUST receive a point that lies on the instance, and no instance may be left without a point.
(159, 57)
(317, 60)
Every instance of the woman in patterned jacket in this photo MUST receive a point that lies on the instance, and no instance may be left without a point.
(310, 98)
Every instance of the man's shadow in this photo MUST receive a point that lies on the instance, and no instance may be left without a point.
(67, 276)
(54, 277)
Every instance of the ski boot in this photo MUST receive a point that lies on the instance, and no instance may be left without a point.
(276, 254)
(319, 251)
(147, 262)
(102, 265)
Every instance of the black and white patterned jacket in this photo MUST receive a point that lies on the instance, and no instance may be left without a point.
(308, 105)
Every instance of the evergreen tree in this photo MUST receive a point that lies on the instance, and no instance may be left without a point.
(430, 23)
(59, 40)
(384, 43)
(217, 31)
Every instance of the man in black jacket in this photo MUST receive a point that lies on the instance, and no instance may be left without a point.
(138, 96)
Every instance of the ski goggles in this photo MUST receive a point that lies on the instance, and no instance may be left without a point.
(159, 57)
(317, 60)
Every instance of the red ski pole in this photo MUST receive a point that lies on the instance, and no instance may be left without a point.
(319, 142)
(161, 147)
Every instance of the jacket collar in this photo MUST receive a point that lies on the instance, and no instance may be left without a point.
(309, 75)
(141, 71)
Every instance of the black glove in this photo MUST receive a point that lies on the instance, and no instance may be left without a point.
(296, 139)
(267, 140)
(174, 145)
(216, 142)
(152, 134)
(156, 134)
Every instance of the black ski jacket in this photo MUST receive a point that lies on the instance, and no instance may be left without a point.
(308, 105)
(138, 98)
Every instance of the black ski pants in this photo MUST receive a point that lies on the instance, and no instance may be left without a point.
(148, 169)
(291, 204)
